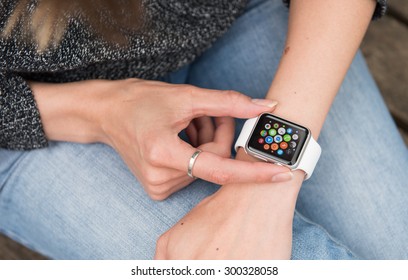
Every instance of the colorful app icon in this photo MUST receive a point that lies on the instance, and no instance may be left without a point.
(264, 133)
(269, 139)
(278, 138)
(274, 146)
(289, 131)
(266, 147)
(281, 131)
(287, 138)
(276, 125)
(295, 137)
(284, 145)
(261, 141)
(267, 126)
(280, 152)
(292, 144)
(272, 132)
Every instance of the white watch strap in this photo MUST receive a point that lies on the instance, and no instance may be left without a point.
(243, 137)
(308, 159)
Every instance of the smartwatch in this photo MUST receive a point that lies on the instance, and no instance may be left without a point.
(273, 139)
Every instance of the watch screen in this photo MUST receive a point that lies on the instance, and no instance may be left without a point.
(278, 139)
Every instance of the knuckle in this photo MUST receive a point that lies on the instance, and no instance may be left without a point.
(130, 83)
(151, 181)
(233, 96)
(155, 194)
(158, 197)
(132, 80)
(220, 177)
(154, 155)
(188, 99)
(182, 89)
(155, 185)
(190, 89)
(151, 177)
(225, 153)
(147, 176)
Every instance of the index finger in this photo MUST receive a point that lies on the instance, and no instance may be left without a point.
(218, 103)
(216, 169)
(219, 170)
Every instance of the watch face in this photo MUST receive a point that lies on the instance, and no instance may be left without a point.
(277, 139)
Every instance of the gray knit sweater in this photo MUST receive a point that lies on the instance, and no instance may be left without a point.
(181, 30)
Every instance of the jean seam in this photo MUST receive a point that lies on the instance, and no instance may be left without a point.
(332, 239)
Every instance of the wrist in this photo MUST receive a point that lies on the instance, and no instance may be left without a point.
(71, 111)
(274, 139)
(289, 188)
(262, 199)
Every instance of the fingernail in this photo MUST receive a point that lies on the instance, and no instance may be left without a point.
(265, 102)
(282, 177)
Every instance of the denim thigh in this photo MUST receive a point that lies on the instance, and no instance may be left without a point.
(359, 190)
(75, 201)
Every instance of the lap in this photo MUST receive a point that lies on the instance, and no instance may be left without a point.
(358, 190)
(75, 201)
(80, 201)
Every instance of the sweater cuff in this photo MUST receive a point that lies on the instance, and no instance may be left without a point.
(379, 11)
(20, 122)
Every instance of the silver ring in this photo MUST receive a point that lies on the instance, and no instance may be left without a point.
(191, 163)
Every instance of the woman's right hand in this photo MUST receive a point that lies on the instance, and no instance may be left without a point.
(142, 120)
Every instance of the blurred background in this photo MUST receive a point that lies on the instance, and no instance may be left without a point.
(386, 50)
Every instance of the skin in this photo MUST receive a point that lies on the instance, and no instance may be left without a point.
(121, 114)
(254, 221)
(250, 217)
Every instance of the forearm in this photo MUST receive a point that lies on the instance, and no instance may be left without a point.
(71, 111)
(323, 38)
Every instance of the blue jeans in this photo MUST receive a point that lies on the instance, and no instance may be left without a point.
(75, 201)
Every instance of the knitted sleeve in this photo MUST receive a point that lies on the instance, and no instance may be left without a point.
(380, 9)
(20, 123)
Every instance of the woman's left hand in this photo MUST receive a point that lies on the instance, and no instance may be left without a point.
(240, 221)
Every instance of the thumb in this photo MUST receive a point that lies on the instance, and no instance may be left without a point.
(228, 103)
